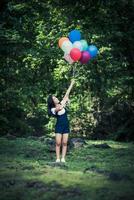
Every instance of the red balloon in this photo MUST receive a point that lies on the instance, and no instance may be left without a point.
(75, 54)
(85, 57)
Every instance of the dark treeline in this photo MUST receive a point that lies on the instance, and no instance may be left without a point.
(32, 67)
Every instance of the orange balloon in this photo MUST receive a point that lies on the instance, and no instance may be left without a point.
(61, 40)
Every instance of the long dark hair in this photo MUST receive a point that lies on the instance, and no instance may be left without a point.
(50, 104)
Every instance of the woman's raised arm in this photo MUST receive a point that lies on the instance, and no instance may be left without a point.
(66, 96)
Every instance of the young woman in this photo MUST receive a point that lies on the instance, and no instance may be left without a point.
(58, 110)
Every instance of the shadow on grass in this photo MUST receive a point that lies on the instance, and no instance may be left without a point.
(19, 188)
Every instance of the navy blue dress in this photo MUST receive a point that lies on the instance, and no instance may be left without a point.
(62, 123)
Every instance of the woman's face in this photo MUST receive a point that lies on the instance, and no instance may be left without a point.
(56, 101)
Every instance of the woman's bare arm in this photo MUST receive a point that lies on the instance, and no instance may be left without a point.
(70, 88)
(59, 107)
(66, 96)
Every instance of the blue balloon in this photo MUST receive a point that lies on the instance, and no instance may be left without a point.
(92, 49)
(74, 35)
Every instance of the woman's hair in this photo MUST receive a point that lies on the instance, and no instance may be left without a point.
(50, 104)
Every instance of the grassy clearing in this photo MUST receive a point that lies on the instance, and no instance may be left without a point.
(90, 173)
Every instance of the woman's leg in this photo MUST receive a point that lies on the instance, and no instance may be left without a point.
(58, 144)
(64, 144)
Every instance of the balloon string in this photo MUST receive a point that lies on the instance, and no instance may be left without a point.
(74, 70)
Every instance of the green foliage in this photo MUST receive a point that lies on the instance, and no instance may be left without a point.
(32, 65)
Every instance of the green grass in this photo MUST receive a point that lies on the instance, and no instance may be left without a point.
(26, 175)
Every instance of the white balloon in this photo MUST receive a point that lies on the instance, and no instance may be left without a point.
(77, 45)
(67, 46)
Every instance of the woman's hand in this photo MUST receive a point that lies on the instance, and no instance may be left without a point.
(72, 81)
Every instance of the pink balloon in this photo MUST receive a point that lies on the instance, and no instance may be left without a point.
(68, 58)
(85, 57)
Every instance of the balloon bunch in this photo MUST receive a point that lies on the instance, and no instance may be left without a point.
(77, 49)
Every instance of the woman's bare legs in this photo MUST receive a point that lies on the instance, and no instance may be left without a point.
(58, 144)
(64, 144)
